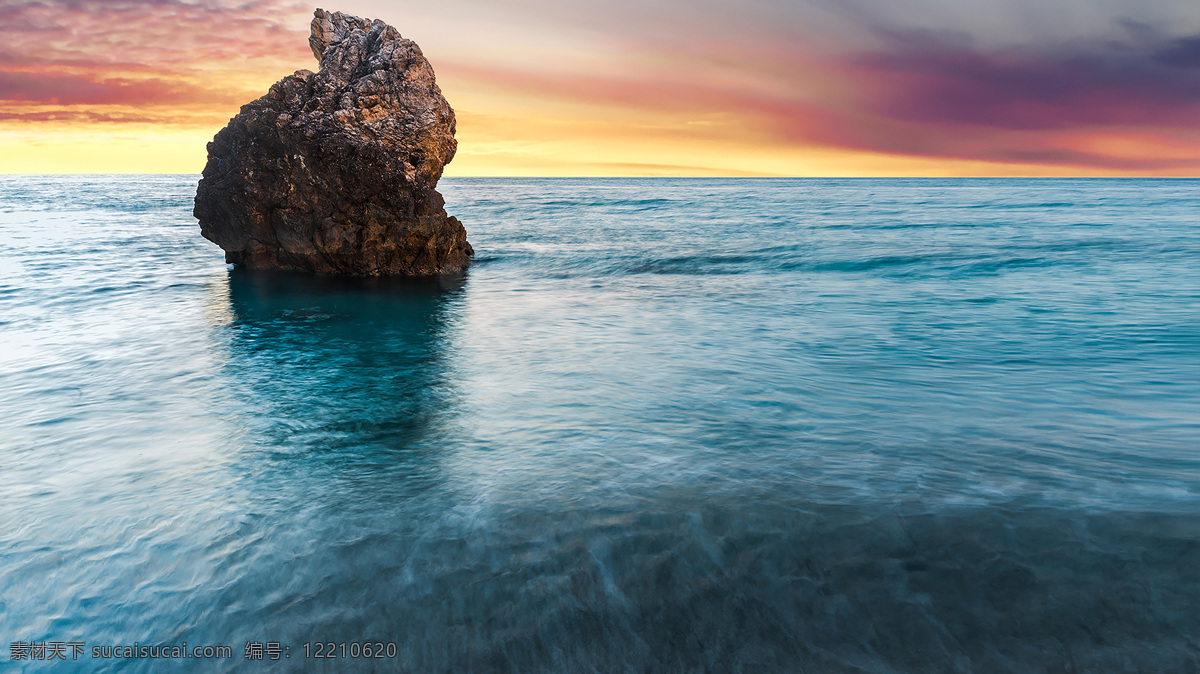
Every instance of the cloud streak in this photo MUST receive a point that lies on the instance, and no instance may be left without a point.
(77, 90)
(152, 33)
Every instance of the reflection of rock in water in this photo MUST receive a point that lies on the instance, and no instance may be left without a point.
(329, 362)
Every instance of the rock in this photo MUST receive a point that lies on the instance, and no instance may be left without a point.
(335, 171)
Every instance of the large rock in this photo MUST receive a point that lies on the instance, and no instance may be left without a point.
(335, 171)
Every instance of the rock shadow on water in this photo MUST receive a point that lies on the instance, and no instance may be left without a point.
(355, 366)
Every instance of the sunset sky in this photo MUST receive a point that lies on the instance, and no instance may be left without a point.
(624, 87)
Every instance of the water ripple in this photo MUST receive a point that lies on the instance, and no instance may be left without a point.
(660, 425)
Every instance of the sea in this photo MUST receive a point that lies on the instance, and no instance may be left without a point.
(660, 425)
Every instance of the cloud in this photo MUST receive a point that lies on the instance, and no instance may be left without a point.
(956, 85)
(82, 90)
(924, 94)
(1066, 83)
(67, 116)
(155, 55)
(149, 32)
(1183, 52)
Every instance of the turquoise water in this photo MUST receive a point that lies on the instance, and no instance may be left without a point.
(660, 425)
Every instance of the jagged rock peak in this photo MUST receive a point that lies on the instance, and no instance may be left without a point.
(334, 27)
(335, 171)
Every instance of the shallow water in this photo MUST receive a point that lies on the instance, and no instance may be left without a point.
(661, 425)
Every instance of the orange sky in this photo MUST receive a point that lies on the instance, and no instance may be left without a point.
(812, 87)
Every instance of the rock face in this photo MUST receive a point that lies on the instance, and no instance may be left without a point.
(335, 171)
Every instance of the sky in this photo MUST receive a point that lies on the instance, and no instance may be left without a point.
(642, 87)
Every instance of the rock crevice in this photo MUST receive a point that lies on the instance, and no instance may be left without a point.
(336, 171)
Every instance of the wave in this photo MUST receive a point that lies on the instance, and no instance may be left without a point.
(783, 261)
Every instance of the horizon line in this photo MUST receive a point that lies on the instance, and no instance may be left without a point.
(693, 177)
